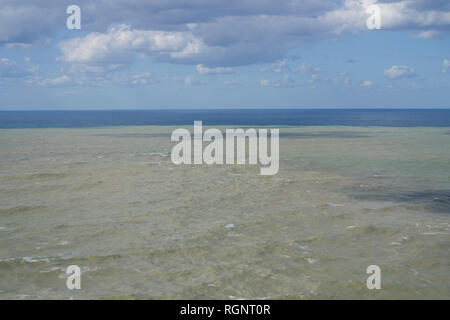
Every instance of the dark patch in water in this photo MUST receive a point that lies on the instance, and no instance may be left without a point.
(433, 200)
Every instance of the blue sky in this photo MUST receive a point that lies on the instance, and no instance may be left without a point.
(224, 54)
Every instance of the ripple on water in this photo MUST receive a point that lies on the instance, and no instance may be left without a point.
(20, 209)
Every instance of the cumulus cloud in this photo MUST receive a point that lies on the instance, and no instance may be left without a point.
(398, 72)
(415, 15)
(214, 33)
(367, 83)
(218, 70)
(123, 43)
(313, 73)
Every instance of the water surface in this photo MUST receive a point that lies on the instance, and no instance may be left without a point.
(110, 200)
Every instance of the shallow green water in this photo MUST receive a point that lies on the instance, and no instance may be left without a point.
(111, 201)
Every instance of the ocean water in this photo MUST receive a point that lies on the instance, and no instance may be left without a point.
(110, 200)
(246, 117)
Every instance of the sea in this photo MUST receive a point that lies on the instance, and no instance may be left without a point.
(97, 189)
(214, 117)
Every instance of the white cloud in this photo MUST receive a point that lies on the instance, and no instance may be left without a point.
(313, 79)
(121, 43)
(276, 67)
(136, 79)
(215, 36)
(63, 80)
(94, 68)
(445, 65)
(141, 78)
(286, 82)
(345, 78)
(240, 38)
(367, 83)
(218, 70)
(429, 34)
(415, 14)
(306, 69)
(240, 31)
(398, 72)
(116, 79)
(10, 69)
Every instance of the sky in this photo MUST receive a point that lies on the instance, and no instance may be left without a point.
(194, 54)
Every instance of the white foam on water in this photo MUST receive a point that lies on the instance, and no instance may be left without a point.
(53, 269)
(164, 155)
(38, 259)
(83, 270)
(335, 204)
(434, 233)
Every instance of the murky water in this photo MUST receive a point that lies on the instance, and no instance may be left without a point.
(111, 201)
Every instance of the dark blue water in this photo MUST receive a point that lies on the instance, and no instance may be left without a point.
(245, 117)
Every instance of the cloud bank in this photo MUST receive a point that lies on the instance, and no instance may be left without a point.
(212, 33)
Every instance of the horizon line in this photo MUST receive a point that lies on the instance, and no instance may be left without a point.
(231, 108)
